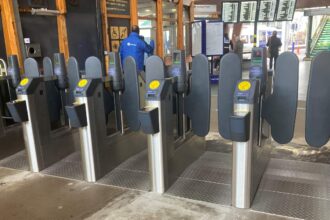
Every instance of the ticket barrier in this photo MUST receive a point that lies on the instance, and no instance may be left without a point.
(39, 108)
(170, 154)
(249, 120)
(11, 135)
(257, 113)
(103, 151)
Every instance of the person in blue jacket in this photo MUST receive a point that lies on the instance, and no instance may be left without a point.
(135, 46)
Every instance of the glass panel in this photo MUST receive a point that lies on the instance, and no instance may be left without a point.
(186, 37)
(169, 10)
(186, 13)
(169, 35)
(186, 30)
(147, 8)
(148, 29)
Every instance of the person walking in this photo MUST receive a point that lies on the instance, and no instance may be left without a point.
(274, 43)
(135, 46)
(238, 47)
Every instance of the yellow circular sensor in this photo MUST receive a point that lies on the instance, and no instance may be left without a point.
(82, 82)
(154, 84)
(244, 86)
(24, 81)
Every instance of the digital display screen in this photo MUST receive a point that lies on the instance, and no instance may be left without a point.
(230, 12)
(267, 10)
(176, 58)
(285, 10)
(111, 59)
(248, 11)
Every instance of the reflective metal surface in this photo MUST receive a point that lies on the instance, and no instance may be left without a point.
(158, 145)
(295, 189)
(242, 161)
(102, 153)
(44, 146)
(30, 133)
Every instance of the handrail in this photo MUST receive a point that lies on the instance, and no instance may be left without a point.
(318, 32)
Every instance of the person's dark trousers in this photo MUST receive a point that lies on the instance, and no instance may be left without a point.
(272, 57)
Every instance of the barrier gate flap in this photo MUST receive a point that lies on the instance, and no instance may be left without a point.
(154, 69)
(230, 74)
(131, 99)
(31, 68)
(317, 130)
(13, 70)
(48, 67)
(73, 75)
(93, 68)
(197, 103)
(280, 108)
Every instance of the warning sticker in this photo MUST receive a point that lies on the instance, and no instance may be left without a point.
(24, 82)
(154, 84)
(82, 83)
(244, 86)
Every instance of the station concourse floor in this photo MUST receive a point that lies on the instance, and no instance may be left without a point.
(26, 195)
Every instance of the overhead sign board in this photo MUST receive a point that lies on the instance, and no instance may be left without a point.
(285, 10)
(230, 12)
(248, 11)
(205, 11)
(267, 10)
(118, 7)
(205, 8)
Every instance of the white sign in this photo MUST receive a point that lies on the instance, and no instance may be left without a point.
(27, 40)
(187, 2)
(205, 9)
(196, 32)
(214, 38)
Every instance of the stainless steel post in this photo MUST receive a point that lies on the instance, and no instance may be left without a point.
(157, 150)
(242, 162)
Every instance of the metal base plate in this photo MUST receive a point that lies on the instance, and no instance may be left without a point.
(207, 179)
(296, 189)
(69, 167)
(288, 188)
(16, 161)
(133, 173)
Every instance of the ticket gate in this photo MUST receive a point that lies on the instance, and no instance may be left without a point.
(169, 154)
(103, 151)
(39, 108)
(249, 120)
(11, 136)
(254, 116)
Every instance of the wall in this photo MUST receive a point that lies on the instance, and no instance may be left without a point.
(40, 29)
(84, 30)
